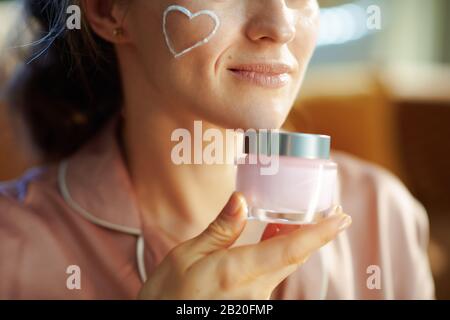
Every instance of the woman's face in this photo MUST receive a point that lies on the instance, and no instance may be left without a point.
(247, 72)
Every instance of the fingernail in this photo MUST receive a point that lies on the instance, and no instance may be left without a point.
(234, 205)
(345, 222)
(335, 211)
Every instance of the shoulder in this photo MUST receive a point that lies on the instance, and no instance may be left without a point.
(388, 219)
(30, 241)
(16, 189)
(20, 192)
(29, 202)
(22, 205)
(379, 189)
(355, 170)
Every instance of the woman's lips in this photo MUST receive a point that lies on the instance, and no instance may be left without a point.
(264, 75)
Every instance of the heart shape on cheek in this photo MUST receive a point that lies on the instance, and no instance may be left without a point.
(191, 16)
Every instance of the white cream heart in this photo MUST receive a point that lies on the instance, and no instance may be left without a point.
(191, 16)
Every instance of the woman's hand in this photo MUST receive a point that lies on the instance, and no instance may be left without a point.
(205, 267)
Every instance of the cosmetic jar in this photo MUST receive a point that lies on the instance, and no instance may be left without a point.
(287, 177)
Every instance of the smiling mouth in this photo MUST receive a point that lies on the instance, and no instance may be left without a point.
(264, 75)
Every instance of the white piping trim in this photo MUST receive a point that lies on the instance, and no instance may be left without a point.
(140, 251)
(67, 197)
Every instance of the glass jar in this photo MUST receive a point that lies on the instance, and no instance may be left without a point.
(287, 177)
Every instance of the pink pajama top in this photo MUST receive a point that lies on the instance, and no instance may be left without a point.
(73, 231)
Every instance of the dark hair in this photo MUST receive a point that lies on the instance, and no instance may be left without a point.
(69, 85)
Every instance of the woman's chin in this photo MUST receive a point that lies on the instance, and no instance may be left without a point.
(265, 117)
(260, 121)
(250, 116)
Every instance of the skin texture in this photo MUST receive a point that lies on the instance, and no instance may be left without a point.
(251, 31)
(163, 93)
(203, 267)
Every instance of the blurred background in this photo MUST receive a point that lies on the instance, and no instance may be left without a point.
(379, 84)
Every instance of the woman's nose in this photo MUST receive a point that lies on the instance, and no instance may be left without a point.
(271, 21)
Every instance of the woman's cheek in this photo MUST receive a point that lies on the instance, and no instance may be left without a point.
(306, 39)
(184, 34)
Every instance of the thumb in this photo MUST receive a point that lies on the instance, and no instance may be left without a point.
(223, 231)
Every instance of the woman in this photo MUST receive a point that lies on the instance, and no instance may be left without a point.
(111, 215)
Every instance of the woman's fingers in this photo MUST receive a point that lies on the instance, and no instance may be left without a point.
(221, 233)
(289, 249)
(275, 229)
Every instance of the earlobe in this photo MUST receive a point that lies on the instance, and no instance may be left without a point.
(118, 32)
(106, 18)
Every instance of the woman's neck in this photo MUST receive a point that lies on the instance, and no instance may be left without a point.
(179, 199)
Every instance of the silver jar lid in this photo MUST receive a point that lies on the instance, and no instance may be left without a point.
(284, 143)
